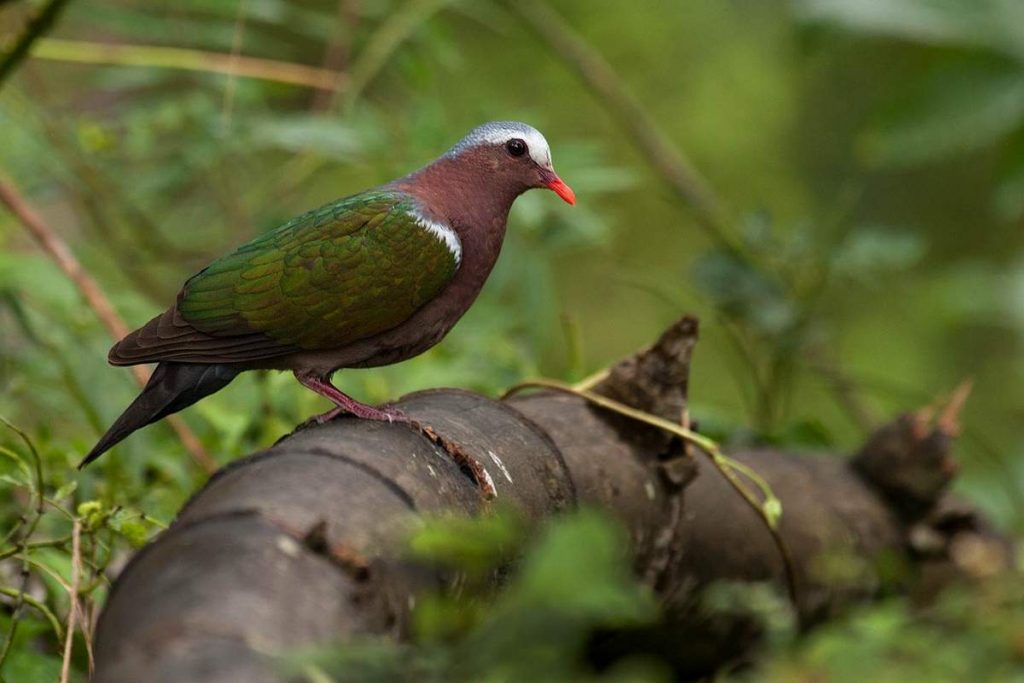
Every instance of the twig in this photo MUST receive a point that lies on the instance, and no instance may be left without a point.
(770, 510)
(155, 56)
(48, 570)
(52, 543)
(90, 290)
(605, 84)
(236, 48)
(338, 51)
(393, 32)
(37, 26)
(69, 634)
(847, 393)
(58, 250)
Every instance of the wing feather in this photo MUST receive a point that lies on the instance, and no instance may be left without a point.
(346, 271)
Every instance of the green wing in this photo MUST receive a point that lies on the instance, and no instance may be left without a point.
(347, 271)
(344, 272)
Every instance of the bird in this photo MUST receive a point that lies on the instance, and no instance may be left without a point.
(368, 280)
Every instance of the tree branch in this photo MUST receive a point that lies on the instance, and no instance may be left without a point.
(303, 544)
(59, 252)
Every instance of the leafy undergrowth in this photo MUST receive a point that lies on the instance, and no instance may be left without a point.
(971, 633)
(574, 582)
(561, 585)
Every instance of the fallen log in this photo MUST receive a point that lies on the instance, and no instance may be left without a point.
(301, 544)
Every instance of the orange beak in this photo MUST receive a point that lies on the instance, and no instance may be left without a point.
(562, 190)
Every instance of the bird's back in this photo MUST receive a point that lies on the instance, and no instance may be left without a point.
(347, 271)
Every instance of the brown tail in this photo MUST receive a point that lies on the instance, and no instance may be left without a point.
(172, 387)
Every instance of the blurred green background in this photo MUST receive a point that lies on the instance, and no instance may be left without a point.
(867, 157)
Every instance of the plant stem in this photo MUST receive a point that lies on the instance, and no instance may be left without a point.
(595, 72)
(393, 32)
(37, 26)
(76, 567)
(58, 250)
(155, 56)
(24, 598)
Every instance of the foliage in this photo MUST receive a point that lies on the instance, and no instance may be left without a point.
(872, 149)
(571, 581)
(970, 634)
(969, 97)
(574, 581)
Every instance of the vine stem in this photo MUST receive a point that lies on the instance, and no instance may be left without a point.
(769, 510)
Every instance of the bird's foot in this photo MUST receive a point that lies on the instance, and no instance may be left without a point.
(346, 404)
(320, 419)
(362, 411)
(384, 413)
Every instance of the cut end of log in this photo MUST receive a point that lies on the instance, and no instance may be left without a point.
(909, 459)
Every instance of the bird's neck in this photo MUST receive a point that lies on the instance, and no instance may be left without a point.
(461, 191)
(463, 194)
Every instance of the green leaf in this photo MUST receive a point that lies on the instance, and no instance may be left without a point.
(1009, 196)
(743, 291)
(473, 545)
(953, 109)
(20, 462)
(17, 483)
(131, 526)
(872, 250)
(66, 490)
(987, 24)
(580, 567)
(326, 136)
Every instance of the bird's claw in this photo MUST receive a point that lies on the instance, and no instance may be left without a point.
(388, 414)
(392, 414)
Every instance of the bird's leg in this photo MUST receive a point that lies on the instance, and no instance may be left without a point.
(346, 404)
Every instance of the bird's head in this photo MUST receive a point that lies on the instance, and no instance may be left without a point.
(514, 154)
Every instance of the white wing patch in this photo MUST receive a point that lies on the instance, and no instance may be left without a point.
(441, 231)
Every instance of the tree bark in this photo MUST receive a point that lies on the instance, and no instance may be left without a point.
(302, 544)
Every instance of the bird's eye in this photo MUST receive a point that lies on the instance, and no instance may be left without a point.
(516, 147)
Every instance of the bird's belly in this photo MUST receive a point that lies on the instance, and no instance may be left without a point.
(387, 348)
(425, 328)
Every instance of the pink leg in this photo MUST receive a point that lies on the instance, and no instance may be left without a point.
(346, 404)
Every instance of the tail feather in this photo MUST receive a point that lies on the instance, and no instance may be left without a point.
(172, 387)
